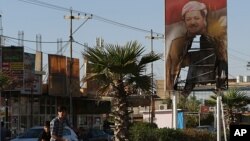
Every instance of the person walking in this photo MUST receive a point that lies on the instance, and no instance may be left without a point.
(3, 132)
(45, 135)
(58, 124)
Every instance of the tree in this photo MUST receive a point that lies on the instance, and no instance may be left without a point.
(191, 106)
(234, 99)
(5, 81)
(119, 72)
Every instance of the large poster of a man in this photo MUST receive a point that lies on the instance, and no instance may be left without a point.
(196, 43)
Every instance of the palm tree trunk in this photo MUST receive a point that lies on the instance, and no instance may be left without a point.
(121, 116)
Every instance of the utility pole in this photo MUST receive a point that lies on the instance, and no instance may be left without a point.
(152, 81)
(71, 17)
(1, 33)
(152, 114)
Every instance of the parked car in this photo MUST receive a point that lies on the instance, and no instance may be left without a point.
(208, 128)
(110, 133)
(33, 134)
(96, 135)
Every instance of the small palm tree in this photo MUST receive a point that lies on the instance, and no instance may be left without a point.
(234, 99)
(119, 71)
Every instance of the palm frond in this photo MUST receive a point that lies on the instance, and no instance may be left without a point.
(143, 82)
(235, 98)
(148, 58)
(114, 62)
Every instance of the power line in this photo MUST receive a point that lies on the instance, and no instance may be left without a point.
(241, 53)
(55, 7)
(67, 42)
(237, 57)
(49, 42)
(63, 48)
(43, 4)
(81, 44)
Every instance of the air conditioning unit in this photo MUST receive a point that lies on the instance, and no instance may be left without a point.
(163, 107)
(211, 109)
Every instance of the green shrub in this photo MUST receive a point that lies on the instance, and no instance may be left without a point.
(149, 132)
(143, 132)
(167, 134)
(196, 135)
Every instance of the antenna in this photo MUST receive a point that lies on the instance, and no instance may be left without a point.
(1, 26)
(20, 38)
(1, 30)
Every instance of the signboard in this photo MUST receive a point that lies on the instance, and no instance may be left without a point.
(204, 109)
(12, 65)
(32, 82)
(59, 70)
(196, 44)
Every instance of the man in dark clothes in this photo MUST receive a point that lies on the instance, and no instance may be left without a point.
(45, 136)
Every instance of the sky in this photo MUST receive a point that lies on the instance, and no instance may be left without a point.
(117, 22)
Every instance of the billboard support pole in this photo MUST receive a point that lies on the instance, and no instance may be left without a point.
(174, 101)
(218, 102)
(223, 121)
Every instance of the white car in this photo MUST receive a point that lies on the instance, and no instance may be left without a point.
(33, 134)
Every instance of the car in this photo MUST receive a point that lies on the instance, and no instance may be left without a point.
(110, 133)
(96, 135)
(208, 128)
(33, 134)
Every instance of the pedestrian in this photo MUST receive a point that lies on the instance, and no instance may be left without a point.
(45, 135)
(58, 124)
(3, 132)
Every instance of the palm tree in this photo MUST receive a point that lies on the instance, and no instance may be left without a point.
(119, 71)
(233, 100)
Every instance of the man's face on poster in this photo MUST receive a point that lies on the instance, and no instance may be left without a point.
(195, 22)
